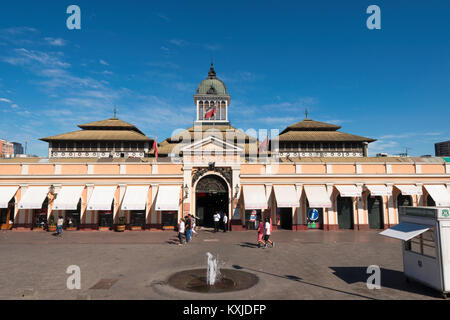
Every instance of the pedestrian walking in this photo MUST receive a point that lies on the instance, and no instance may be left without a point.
(59, 225)
(216, 221)
(188, 227)
(260, 233)
(267, 233)
(225, 223)
(181, 230)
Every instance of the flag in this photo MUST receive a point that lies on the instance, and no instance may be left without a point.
(155, 147)
(211, 112)
(263, 146)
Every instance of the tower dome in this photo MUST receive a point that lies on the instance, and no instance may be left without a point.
(212, 84)
(212, 99)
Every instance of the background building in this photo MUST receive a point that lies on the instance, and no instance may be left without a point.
(101, 139)
(442, 149)
(18, 148)
(6, 149)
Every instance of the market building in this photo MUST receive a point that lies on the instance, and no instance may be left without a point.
(214, 167)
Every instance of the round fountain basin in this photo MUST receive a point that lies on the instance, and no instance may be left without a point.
(195, 281)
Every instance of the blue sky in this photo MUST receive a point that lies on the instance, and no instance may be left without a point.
(276, 58)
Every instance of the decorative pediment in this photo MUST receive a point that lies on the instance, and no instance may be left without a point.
(212, 144)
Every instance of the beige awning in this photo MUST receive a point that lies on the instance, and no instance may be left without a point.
(102, 198)
(378, 190)
(286, 196)
(68, 198)
(168, 198)
(318, 196)
(34, 198)
(6, 194)
(135, 198)
(348, 190)
(439, 193)
(254, 197)
(409, 189)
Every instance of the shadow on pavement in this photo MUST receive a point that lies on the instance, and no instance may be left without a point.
(248, 245)
(300, 280)
(389, 278)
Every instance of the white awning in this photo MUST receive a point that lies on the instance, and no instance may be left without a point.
(286, 196)
(135, 198)
(378, 190)
(348, 190)
(102, 198)
(6, 194)
(439, 193)
(409, 189)
(318, 196)
(405, 231)
(254, 197)
(68, 198)
(33, 198)
(168, 198)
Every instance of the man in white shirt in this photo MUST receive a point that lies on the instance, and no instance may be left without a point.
(267, 232)
(59, 225)
(225, 223)
(181, 230)
(216, 221)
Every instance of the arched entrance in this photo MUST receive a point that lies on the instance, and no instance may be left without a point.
(404, 201)
(345, 212)
(211, 195)
(375, 212)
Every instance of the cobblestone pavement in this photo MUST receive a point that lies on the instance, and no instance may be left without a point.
(302, 265)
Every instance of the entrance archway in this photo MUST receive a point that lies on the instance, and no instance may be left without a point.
(375, 212)
(345, 212)
(211, 196)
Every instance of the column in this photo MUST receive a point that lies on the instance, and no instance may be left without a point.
(359, 208)
(298, 223)
(392, 217)
(332, 215)
(153, 220)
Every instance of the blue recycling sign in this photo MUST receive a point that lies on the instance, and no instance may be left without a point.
(313, 214)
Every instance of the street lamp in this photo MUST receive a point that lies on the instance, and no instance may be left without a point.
(186, 191)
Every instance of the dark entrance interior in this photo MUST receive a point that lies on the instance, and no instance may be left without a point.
(430, 201)
(345, 212)
(211, 196)
(375, 212)
(40, 216)
(73, 217)
(7, 214)
(404, 201)
(286, 218)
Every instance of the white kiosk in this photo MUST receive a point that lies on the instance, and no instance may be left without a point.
(425, 232)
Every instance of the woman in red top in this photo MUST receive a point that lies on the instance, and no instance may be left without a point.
(260, 233)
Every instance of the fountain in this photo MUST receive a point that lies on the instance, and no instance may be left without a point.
(212, 279)
(212, 272)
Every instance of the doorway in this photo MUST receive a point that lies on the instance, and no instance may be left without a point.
(285, 218)
(375, 212)
(211, 196)
(345, 212)
(404, 201)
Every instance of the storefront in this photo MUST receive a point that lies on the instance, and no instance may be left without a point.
(101, 203)
(345, 207)
(168, 204)
(135, 203)
(35, 202)
(317, 199)
(255, 201)
(68, 205)
(7, 206)
(286, 199)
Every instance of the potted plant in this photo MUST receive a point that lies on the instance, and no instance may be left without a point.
(121, 226)
(51, 224)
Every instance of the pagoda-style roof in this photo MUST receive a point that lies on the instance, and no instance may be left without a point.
(309, 130)
(198, 132)
(112, 129)
(109, 124)
(311, 125)
(100, 135)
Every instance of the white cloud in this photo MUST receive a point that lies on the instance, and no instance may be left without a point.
(103, 62)
(163, 16)
(5, 100)
(27, 57)
(57, 42)
(179, 42)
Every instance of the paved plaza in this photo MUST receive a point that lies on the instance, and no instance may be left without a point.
(136, 265)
